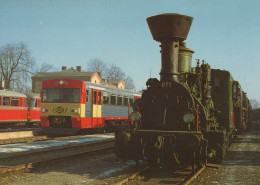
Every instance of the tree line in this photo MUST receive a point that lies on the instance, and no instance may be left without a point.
(110, 71)
(17, 66)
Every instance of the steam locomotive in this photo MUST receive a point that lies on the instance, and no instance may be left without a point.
(186, 117)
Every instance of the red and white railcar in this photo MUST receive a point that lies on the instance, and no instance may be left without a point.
(69, 106)
(16, 107)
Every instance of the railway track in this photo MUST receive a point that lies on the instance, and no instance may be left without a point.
(149, 175)
(29, 160)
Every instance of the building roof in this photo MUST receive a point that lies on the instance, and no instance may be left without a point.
(111, 81)
(68, 72)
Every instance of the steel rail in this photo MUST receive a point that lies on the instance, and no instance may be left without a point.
(186, 181)
(193, 176)
(34, 164)
(131, 176)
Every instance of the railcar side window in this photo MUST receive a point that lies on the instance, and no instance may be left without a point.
(105, 99)
(14, 101)
(119, 100)
(33, 102)
(99, 97)
(126, 101)
(113, 99)
(6, 100)
(0, 100)
(94, 96)
(87, 98)
(131, 101)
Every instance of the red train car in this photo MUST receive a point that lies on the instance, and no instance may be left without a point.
(16, 107)
(69, 106)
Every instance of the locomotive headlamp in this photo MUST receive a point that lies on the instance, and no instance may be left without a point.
(44, 110)
(61, 82)
(135, 116)
(188, 117)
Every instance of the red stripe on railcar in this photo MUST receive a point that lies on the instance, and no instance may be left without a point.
(13, 113)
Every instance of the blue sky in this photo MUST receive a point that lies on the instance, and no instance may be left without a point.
(225, 33)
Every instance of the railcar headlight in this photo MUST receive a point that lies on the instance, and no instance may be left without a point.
(44, 110)
(188, 118)
(76, 111)
(61, 82)
(135, 116)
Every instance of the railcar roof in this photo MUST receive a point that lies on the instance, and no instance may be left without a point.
(32, 95)
(111, 89)
(11, 93)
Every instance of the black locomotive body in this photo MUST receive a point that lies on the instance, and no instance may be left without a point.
(185, 117)
(242, 109)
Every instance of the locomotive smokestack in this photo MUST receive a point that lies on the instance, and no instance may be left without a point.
(171, 30)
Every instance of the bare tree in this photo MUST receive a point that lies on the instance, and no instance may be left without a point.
(114, 72)
(97, 65)
(110, 72)
(16, 65)
(129, 83)
(44, 68)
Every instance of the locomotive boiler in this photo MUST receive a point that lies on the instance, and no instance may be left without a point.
(175, 121)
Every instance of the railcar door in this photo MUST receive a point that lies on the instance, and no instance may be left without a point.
(96, 108)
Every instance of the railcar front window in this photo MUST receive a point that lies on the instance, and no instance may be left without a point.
(61, 95)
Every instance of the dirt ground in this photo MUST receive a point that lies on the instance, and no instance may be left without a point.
(241, 165)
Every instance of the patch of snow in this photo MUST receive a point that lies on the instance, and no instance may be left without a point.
(22, 147)
(109, 172)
